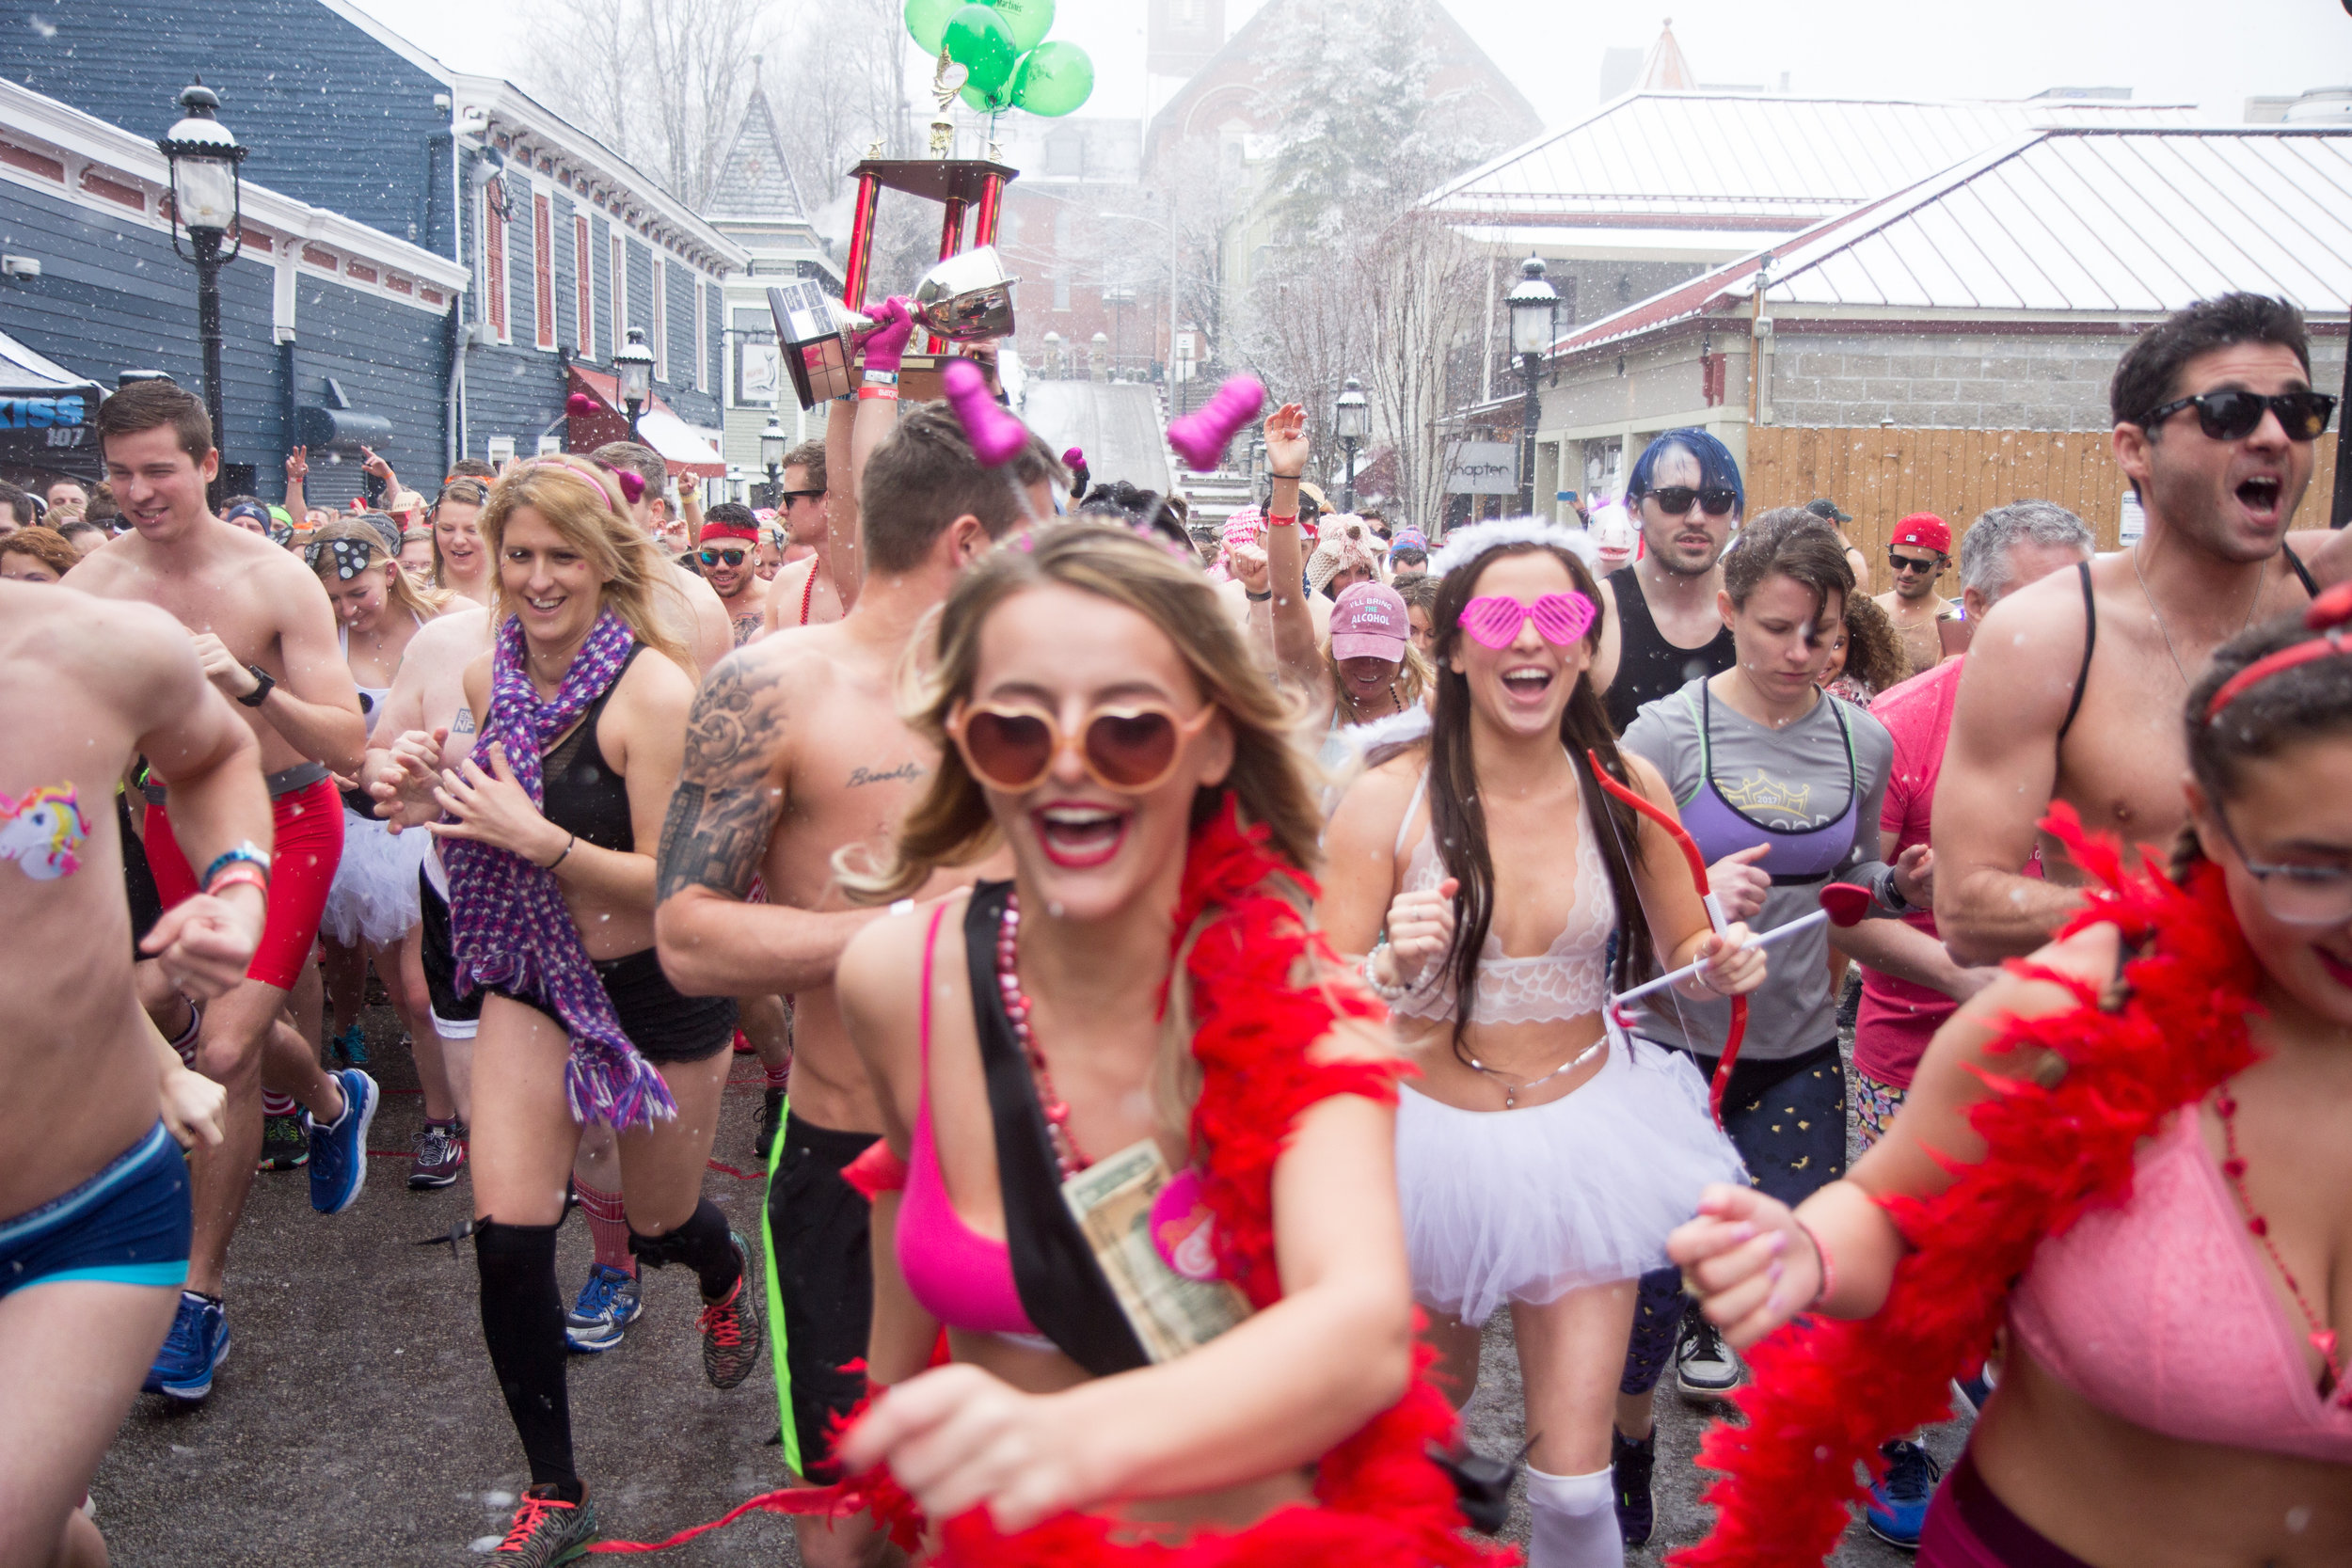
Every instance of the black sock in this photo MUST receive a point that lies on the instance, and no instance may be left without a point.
(702, 1244)
(522, 1321)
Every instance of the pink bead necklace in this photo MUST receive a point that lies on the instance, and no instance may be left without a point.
(2322, 1337)
(1065, 1151)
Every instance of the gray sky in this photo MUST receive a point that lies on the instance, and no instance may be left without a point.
(2211, 52)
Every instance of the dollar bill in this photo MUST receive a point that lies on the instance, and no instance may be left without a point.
(1111, 1200)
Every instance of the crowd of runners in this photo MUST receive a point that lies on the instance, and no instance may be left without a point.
(1189, 965)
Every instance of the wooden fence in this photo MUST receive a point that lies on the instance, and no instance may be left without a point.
(1883, 475)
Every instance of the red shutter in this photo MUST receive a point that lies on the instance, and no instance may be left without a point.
(543, 266)
(583, 264)
(494, 265)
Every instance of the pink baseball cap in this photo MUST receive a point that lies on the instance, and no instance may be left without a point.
(1369, 622)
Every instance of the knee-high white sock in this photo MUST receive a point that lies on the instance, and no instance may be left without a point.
(1576, 1522)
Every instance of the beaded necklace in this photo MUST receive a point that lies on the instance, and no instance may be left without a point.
(1065, 1151)
(2322, 1337)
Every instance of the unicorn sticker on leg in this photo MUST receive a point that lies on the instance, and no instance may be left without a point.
(44, 832)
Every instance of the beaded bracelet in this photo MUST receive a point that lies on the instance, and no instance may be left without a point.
(1820, 1254)
(1380, 988)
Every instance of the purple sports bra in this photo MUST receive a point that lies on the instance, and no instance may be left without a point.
(1720, 828)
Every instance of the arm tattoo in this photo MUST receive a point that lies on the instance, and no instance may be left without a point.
(724, 806)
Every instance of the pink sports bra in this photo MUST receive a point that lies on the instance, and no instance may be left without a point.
(958, 1276)
(2161, 1313)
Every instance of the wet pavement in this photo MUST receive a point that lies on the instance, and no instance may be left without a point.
(356, 1420)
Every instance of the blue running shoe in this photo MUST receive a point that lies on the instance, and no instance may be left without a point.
(339, 1154)
(608, 1304)
(193, 1351)
(1899, 1504)
(351, 1046)
(1970, 1395)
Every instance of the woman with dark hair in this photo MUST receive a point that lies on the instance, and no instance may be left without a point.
(1141, 1022)
(2133, 1150)
(1542, 1153)
(1766, 766)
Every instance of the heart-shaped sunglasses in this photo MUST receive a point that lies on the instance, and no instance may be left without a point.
(1494, 622)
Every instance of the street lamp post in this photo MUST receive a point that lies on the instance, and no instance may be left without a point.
(633, 366)
(1535, 328)
(771, 458)
(205, 194)
(1351, 420)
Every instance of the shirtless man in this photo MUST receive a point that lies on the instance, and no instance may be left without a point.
(693, 610)
(94, 1221)
(805, 593)
(1662, 627)
(1918, 552)
(794, 751)
(264, 633)
(2074, 687)
(729, 558)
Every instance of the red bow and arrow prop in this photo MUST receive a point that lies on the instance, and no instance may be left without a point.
(1665, 819)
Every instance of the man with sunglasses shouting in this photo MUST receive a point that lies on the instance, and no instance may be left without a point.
(1921, 548)
(2074, 687)
(728, 556)
(1662, 628)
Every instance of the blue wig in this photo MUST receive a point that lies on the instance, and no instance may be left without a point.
(1717, 466)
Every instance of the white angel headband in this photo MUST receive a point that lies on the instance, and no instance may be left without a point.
(1466, 544)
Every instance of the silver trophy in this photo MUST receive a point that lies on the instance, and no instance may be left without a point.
(967, 297)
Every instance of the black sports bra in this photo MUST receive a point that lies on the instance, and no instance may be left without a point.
(2091, 628)
(584, 794)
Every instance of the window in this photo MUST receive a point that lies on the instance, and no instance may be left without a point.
(494, 260)
(618, 289)
(661, 319)
(543, 268)
(584, 260)
(1061, 291)
(700, 351)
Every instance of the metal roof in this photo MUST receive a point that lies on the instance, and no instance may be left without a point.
(1719, 160)
(2097, 222)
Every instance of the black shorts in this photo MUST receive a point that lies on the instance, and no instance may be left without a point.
(139, 882)
(664, 1025)
(453, 1016)
(820, 1239)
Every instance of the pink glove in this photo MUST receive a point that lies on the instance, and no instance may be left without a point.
(894, 323)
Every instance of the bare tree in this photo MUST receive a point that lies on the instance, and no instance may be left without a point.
(843, 88)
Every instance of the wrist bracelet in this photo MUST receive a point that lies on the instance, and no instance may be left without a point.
(1382, 988)
(247, 852)
(1257, 598)
(883, 394)
(1820, 1254)
(567, 849)
(241, 871)
(1276, 520)
(881, 378)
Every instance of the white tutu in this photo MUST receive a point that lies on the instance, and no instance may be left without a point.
(1527, 1205)
(373, 896)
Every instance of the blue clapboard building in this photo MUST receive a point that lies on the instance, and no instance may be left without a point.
(423, 246)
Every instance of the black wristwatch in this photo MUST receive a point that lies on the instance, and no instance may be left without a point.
(1257, 598)
(261, 691)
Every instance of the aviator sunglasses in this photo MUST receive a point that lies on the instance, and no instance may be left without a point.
(1912, 564)
(1494, 622)
(2230, 415)
(1129, 746)
(711, 557)
(1675, 499)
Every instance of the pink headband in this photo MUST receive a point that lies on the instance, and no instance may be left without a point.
(633, 485)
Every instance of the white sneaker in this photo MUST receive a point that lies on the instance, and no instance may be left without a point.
(1706, 1369)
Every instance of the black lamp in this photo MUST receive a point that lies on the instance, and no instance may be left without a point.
(205, 204)
(1535, 328)
(633, 365)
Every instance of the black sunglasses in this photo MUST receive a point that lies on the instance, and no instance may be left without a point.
(784, 497)
(733, 557)
(1910, 563)
(1675, 499)
(2232, 415)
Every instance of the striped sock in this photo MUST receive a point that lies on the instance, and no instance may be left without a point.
(275, 1104)
(608, 1225)
(185, 1044)
(780, 1076)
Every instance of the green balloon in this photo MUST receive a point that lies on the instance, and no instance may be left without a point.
(927, 20)
(1053, 79)
(1030, 20)
(989, 104)
(979, 41)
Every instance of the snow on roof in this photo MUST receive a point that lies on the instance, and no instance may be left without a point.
(2101, 222)
(1751, 160)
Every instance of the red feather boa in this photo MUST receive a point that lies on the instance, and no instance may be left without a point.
(1826, 1393)
(1381, 1503)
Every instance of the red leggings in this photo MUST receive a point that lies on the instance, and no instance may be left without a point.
(309, 845)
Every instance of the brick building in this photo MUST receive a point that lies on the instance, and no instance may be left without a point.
(1948, 347)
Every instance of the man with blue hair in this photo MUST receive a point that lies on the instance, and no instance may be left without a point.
(1662, 630)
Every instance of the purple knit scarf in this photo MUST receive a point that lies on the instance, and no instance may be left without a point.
(509, 925)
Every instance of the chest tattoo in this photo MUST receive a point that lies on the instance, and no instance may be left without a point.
(904, 772)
